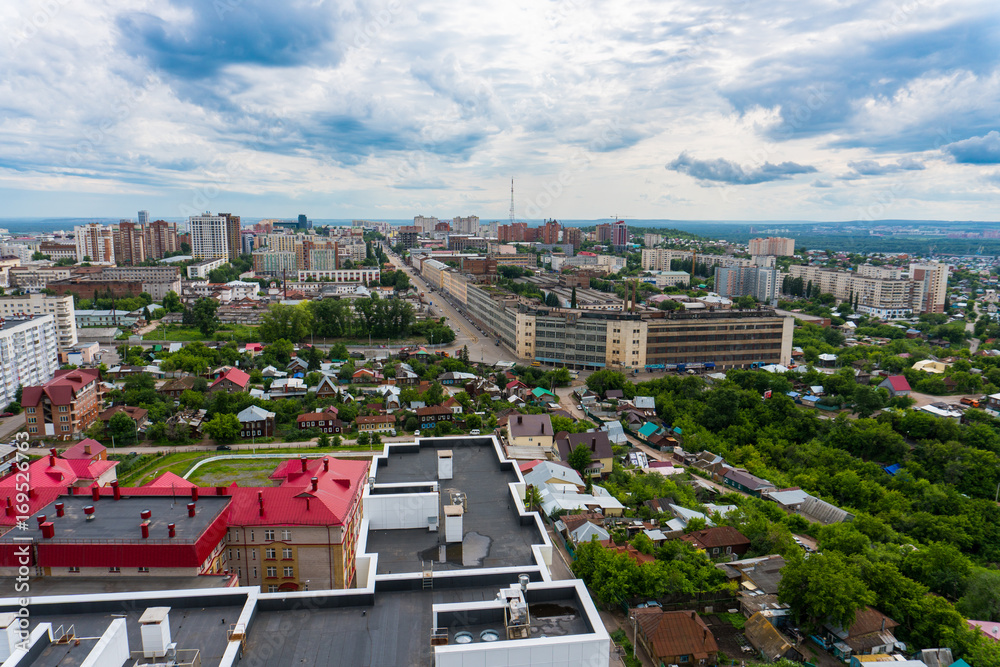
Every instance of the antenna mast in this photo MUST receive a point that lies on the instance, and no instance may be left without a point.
(512, 201)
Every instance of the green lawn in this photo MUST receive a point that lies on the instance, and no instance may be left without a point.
(179, 333)
(181, 462)
(244, 473)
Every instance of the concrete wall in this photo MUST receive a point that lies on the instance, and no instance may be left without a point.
(112, 649)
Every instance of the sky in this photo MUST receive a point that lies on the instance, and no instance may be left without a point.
(650, 109)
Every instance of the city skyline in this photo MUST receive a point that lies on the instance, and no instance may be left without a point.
(386, 111)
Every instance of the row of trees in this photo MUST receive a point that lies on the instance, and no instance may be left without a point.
(334, 318)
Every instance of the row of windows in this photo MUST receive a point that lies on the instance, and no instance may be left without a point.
(112, 570)
(269, 533)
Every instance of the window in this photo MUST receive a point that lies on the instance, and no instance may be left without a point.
(251, 536)
(255, 573)
(114, 570)
(65, 428)
(74, 570)
(289, 571)
(253, 554)
(31, 411)
(685, 658)
(286, 535)
(269, 554)
(230, 554)
(272, 572)
(286, 554)
(272, 588)
(143, 570)
(63, 408)
(268, 535)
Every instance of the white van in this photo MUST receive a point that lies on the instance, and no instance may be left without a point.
(474, 431)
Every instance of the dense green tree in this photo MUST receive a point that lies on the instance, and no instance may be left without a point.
(823, 589)
(204, 316)
(292, 323)
(579, 459)
(982, 596)
(222, 427)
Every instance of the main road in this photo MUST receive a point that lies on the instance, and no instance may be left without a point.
(481, 346)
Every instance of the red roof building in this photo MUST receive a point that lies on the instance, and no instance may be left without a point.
(63, 407)
(279, 538)
(88, 449)
(232, 380)
(676, 637)
(897, 385)
(718, 541)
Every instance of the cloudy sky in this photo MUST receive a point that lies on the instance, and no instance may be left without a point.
(821, 110)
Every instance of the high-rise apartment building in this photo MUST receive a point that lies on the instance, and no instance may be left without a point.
(143, 217)
(34, 305)
(129, 242)
(467, 225)
(94, 243)
(408, 236)
(604, 232)
(883, 297)
(619, 235)
(233, 241)
(572, 236)
(932, 285)
(426, 224)
(161, 238)
(774, 245)
(28, 353)
(759, 282)
(209, 236)
(550, 232)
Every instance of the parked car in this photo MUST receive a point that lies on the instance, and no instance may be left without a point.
(6, 414)
(223, 448)
(474, 431)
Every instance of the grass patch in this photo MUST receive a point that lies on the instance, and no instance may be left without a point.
(180, 462)
(735, 620)
(180, 333)
(244, 473)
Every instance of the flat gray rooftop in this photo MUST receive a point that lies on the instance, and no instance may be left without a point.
(118, 520)
(81, 585)
(395, 631)
(494, 536)
(205, 629)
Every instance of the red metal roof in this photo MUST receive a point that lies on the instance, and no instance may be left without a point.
(234, 375)
(78, 451)
(62, 388)
(898, 383)
(170, 480)
(294, 503)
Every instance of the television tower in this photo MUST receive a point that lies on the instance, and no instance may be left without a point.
(512, 201)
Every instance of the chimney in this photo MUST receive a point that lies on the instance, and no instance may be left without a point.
(86, 448)
(520, 419)
(41, 519)
(89, 511)
(194, 494)
(305, 463)
(60, 509)
(95, 493)
(52, 460)
(315, 483)
(326, 464)
(260, 501)
(144, 527)
(53, 451)
(171, 530)
(145, 515)
(117, 491)
(883, 624)
(191, 509)
(48, 530)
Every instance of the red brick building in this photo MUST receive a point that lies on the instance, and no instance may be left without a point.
(63, 407)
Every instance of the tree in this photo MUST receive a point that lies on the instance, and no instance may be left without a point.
(324, 440)
(289, 322)
(337, 440)
(532, 497)
(572, 298)
(823, 589)
(552, 300)
(204, 316)
(192, 400)
(122, 429)
(982, 597)
(868, 399)
(339, 352)
(473, 422)
(172, 302)
(745, 302)
(222, 427)
(364, 439)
